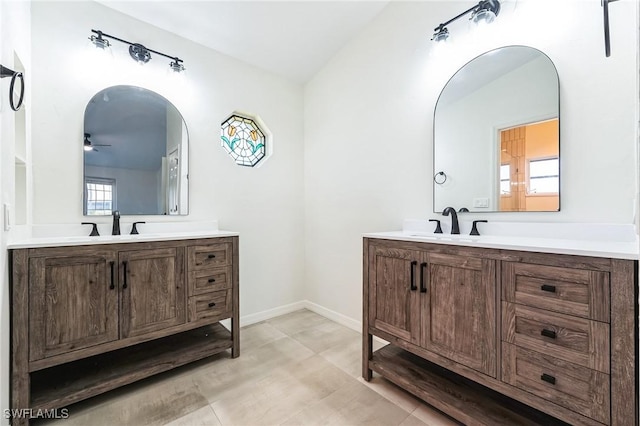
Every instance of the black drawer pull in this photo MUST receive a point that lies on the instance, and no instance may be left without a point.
(547, 378)
(211, 256)
(413, 275)
(124, 265)
(549, 288)
(113, 284)
(548, 333)
(423, 287)
(212, 280)
(212, 304)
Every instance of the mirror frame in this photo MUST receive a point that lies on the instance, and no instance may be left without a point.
(435, 173)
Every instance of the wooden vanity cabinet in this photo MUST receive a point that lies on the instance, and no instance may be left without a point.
(82, 297)
(459, 307)
(73, 301)
(394, 300)
(505, 337)
(87, 319)
(153, 290)
(441, 302)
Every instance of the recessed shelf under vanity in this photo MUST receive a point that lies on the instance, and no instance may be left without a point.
(156, 304)
(71, 382)
(480, 328)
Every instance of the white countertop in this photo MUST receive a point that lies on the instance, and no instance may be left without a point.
(597, 240)
(76, 235)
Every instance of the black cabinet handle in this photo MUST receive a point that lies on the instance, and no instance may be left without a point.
(548, 333)
(211, 256)
(413, 275)
(423, 287)
(113, 284)
(212, 304)
(124, 265)
(547, 378)
(212, 280)
(549, 288)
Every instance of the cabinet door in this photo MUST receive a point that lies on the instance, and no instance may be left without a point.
(153, 291)
(73, 302)
(394, 301)
(459, 310)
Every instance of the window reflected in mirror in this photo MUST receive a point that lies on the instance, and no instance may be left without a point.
(99, 196)
(530, 167)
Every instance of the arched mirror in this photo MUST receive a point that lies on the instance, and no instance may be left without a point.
(496, 134)
(135, 154)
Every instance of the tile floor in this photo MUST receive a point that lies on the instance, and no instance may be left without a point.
(296, 369)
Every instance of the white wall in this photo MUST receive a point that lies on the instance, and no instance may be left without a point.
(262, 204)
(15, 38)
(369, 117)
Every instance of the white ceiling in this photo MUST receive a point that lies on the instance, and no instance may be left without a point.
(290, 38)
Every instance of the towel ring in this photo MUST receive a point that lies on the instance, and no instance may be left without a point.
(441, 180)
(6, 72)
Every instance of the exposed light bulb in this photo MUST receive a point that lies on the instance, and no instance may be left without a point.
(441, 36)
(484, 16)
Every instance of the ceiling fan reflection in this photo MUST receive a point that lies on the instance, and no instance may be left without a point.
(89, 146)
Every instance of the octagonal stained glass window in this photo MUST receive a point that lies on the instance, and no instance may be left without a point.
(243, 140)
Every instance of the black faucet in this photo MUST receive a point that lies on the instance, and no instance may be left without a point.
(116, 223)
(455, 228)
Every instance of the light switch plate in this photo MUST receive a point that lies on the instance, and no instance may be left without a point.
(481, 203)
(7, 216)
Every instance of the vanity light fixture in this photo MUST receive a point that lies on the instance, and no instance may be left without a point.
(138, 52)
(99, 42)
(483, 12)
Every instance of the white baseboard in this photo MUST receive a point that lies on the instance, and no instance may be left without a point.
(334, 316)
(296, 306)
(313, 307)
(271, 313)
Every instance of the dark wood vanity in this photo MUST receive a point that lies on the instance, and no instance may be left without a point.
(504, 337)
(88, 319)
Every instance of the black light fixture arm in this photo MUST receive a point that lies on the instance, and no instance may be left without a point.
(101, 34)
(479, 11)
(455, 18)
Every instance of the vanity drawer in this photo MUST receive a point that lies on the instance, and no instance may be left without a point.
(572, 386)
(578, 292)
(209, 256)
(206, 280)
(216, 304)
(572, 339)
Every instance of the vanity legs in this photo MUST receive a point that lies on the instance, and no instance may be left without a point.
(367, 338)
(235, 319)
(367, 341)
(235, 336)
(19, 338)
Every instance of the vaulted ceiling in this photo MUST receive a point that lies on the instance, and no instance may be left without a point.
(290, 38)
